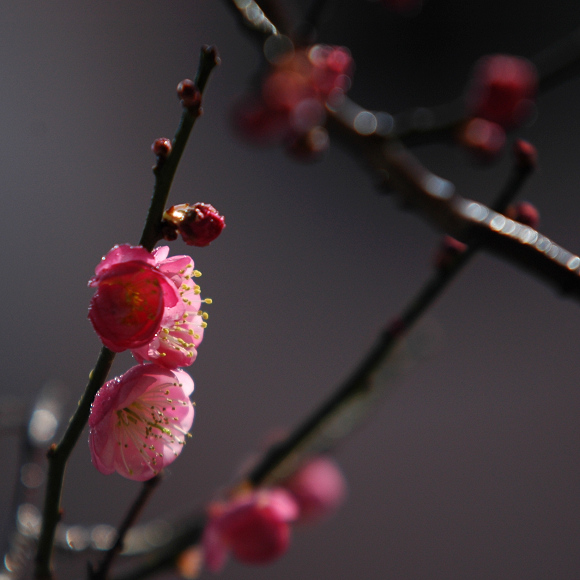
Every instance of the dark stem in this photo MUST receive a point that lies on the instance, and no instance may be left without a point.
(189, 535)
(558, 62)
(165, 173)
(58, 454)
(57, 458)
(361, 380)
(307, 31)
(134, 512)
(253, 19)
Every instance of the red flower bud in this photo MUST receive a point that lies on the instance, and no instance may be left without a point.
(448, 251)
(198, 224)
(161, 148)
(526, 154)
(190, 96)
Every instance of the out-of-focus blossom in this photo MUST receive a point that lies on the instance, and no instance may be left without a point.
(447, 252)
(525, 213)
(175, 344)
(253, 527)
(132, 298)
(526, 155)
(319, 488)
(484, 139)
(293, 95)
(502, 90)
(140, 420)
(199, 224)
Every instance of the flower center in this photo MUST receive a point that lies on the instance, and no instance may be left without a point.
(150, 426)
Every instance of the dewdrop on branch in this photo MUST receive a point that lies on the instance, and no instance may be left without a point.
(139, 421)
(199, 224)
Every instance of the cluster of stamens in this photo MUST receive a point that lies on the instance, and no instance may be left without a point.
(148, 426)
(185, 333)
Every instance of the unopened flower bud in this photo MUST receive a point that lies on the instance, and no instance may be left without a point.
(161, 148)
(448, 251)
(526, 155)
(525, 213)
(190, 96)
(199, 224)
(169, 231)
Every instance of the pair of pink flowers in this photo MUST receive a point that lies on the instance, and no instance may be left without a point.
(150, 304)
(255, 526)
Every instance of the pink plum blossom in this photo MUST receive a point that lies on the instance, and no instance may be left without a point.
(140, 420)
(133, 297)
(254, 527)
(175, 344)
(318, 487)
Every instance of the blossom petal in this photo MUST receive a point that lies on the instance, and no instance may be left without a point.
(139, 421)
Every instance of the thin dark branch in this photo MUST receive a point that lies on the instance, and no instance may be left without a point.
(469, 221)
(59, 454)
(253, 19)
(57, 458)
(559, 62)
(131, 517)
(165, 173)
(189, 534)
(307, 31)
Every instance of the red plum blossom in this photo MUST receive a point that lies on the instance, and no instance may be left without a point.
(140, 420)
(132, 298)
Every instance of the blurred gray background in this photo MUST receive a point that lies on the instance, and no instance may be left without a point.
(470, 469)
